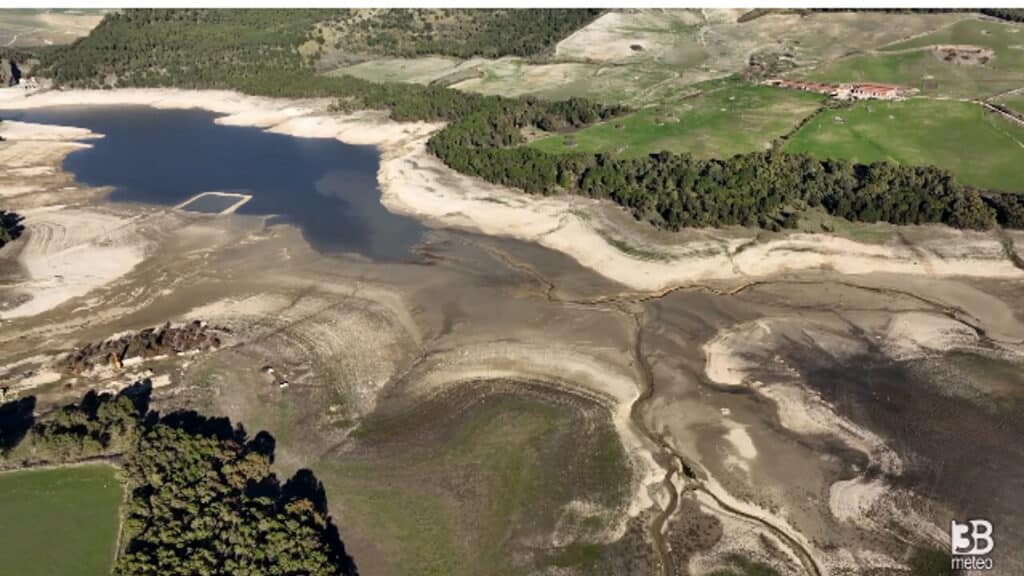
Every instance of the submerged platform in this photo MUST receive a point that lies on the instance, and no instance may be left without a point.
(215, 202)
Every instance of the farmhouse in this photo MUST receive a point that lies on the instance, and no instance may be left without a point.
(827, 89)
(865, 91)
(874, 91)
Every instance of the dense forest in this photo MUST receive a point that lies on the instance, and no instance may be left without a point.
(258, 52)
(191, 48)
(460, 33)
(201, 496)
(233, 48)
(1009, 208)
(10, 226)
(1011, 14)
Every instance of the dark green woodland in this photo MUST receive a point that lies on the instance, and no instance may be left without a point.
(201, 496)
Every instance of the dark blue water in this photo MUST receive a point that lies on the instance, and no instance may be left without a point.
(326, 188)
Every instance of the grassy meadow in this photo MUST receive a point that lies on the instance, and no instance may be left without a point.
(59, 522)
(478, 484)
(1014, 102)
(561, 80)
(716, 124)
(913, 63)
(30, 27)
(980, 148)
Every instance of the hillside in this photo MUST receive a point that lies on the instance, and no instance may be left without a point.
(267, 53)
(462, 33)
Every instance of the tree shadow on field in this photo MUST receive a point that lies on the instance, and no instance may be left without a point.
(16, 418)
(196, 424)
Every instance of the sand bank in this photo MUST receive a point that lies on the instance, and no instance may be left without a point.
(13, 131)
(66, 252)
(415, 183)
(70, 252)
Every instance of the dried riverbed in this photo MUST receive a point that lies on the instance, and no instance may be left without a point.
(791, 410)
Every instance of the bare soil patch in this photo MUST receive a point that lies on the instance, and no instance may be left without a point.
(964, 55)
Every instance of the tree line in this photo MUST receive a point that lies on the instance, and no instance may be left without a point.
(1011, 14)
(765, 189)
(183, 47)
(201, 496)
(257, 52)
(460, 33)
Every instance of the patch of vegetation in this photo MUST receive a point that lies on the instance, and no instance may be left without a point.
(37, 28)
(193, 48)
(60, 522)
(924, 71)
(11, 226)
(579, 555)
(484, 136)
(981, 148)
(764, 189)
(202, 499)
(973, 32)
(632, 250)
(1011, 14)
(1009, 209)
(817, 220)
(486, 473)
(717, 124)
(461, 33)
(100, 425)
(913, 64)
(423, 70)
(742, 566)
(561, 80)
(1014, 102)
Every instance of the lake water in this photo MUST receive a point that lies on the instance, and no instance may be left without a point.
(326, 188)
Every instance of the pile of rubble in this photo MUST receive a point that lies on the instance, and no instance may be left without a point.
(148, 343)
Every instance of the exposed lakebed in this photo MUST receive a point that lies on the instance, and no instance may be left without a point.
(323, 186)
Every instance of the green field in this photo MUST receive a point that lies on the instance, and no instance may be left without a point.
(913, 64)
(716, 124)
(980, 148)
(479, 483)
(423, 70)
(59, 522)
(988, 33)
(612, 84)
(1014, 102)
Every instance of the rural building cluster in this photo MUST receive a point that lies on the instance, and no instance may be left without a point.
(860, 91)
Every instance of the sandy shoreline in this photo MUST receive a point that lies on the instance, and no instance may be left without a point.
(70, 252)
(415, 183)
